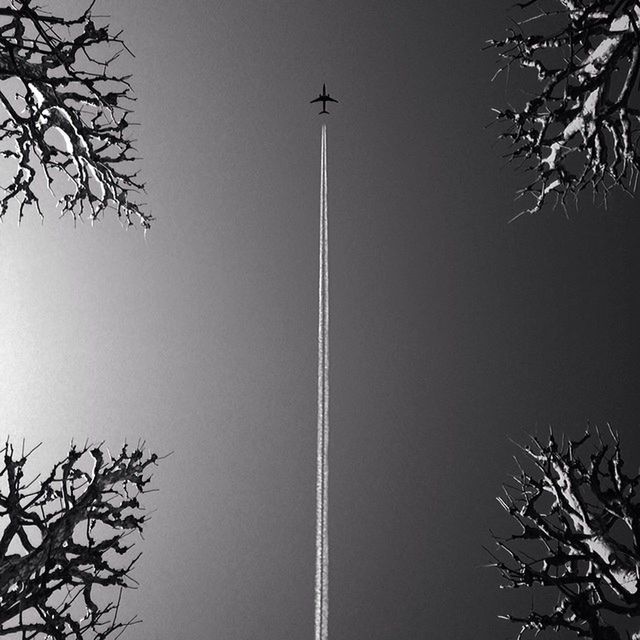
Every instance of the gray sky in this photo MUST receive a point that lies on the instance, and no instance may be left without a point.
(451, 330)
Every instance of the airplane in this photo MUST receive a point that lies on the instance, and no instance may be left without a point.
(324, 97)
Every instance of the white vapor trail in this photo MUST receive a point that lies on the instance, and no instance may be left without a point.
(322, 469)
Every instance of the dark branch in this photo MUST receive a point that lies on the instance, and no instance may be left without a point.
(65, 131)
(67, 536)
(580, 128)
(578, 517)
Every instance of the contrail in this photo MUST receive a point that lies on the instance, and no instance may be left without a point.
(322, 470)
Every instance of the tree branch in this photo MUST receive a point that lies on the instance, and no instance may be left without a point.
(66, 130)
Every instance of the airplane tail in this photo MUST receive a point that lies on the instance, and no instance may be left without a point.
(323, 111)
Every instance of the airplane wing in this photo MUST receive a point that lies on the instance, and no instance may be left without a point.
(328, 99)
(318, 99)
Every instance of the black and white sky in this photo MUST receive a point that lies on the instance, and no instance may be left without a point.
(452, 331)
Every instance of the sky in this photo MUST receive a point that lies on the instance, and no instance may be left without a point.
(452, 332)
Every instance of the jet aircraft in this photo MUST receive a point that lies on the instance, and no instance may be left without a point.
(324, 97)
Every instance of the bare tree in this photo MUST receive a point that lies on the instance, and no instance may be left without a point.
(63, 544)
(578, 545)
(579, 126)
(65, 126)
(65, 135)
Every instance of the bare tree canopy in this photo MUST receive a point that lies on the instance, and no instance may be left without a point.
(579, 126)
(62, 546)
(578, 545)
(65, 125)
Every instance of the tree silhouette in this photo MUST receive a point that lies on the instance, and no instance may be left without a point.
(65, 138)
(62, 546)
(578, 126)
(578, 544)
(65, 128)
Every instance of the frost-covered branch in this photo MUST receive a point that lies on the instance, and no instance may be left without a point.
(63, 543)
(580, 126)
(65, 129)
(578, 515)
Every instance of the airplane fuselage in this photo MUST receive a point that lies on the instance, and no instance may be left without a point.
(324, 97)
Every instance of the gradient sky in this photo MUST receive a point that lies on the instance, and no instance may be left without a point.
(451, 330)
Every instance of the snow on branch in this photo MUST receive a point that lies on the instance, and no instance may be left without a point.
(579, 127)
(64, 542)
(578, 541)
(64, 115)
